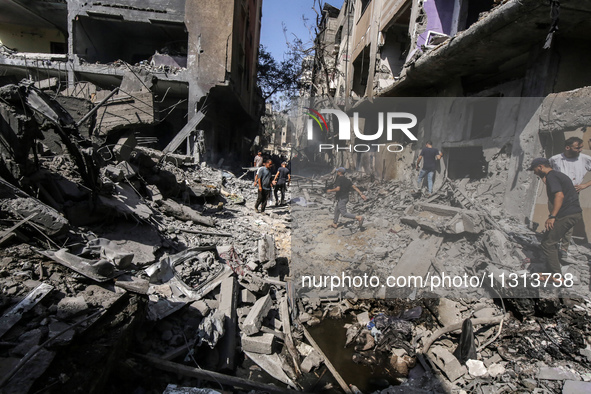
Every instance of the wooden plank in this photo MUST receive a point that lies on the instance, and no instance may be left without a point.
(327, 362)
(288, 339)
(184, 133)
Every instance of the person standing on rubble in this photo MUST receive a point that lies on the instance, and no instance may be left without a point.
(565, 213)
(281, 180)
(342, 187)
(258, 160)
(575, 165)
(429, 156)
(264, 184)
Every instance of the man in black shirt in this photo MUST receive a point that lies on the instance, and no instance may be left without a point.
(342, 187)
(429, 155)
(565, 213)
(282, 178)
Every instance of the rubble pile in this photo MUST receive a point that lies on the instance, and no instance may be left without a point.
(128, 269)
(453, 233)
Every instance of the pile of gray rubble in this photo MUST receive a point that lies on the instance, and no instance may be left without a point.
(144, 272)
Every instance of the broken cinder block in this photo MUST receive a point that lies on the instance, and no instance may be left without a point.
(255, 317)
(260, 343)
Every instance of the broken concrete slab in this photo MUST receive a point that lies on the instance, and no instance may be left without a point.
(417, 258)
(499, 248)
(106, 249)
(363, 318)
(312, 361)
(133, 284)
(495, 370)
(247, 297)
(448, 363)
(141, 240)
(485, 313)
(444, 219)
(273, 365)
(126, 201)
(576, 387)
(448, 312)
(97, 270)
(255, 317)
(125, 146)
(261, 343)
(556, 373)
(46, 218)
(266, 248)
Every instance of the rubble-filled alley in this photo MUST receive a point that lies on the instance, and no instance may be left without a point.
(155, 274)
(133, 256)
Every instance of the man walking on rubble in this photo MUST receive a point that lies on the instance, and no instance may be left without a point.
(281, 180)
(264, 185)
(565, 213)
(429, 155)
(575, 165)
(342, 187)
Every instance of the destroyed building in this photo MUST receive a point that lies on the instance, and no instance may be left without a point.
(193, 57)
(126, 268)
(480, 50)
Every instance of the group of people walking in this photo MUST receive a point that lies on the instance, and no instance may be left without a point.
(562, 174)
(265, 181)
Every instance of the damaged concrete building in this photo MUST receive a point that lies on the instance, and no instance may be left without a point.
(484, 51)
(169, 60)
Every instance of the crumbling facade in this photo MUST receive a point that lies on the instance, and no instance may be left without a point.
(481, 50)
(192, 56)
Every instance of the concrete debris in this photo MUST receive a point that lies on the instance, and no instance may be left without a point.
(98, 270)
(556, 373)
(255, 317)
(211, 329)
(447, 362)
(444, 219)
(273, 365)
(185, 213)
(261, 343)
(132, 219)
(476, 368)
(312, 361)
(174, 389)
(575, 387)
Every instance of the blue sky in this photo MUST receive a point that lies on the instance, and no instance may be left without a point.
(289, 12)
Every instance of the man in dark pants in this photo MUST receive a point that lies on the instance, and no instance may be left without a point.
(264, 184)
(566, 210)
(342, 187)
(429, 156)
(282, 178)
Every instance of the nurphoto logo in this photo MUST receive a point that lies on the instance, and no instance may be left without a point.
(402, 121)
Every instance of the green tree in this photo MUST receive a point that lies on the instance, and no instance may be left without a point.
(278, 77)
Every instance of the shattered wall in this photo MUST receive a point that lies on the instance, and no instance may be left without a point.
(32, 39)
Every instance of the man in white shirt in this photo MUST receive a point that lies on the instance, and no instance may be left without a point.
(575, 165)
